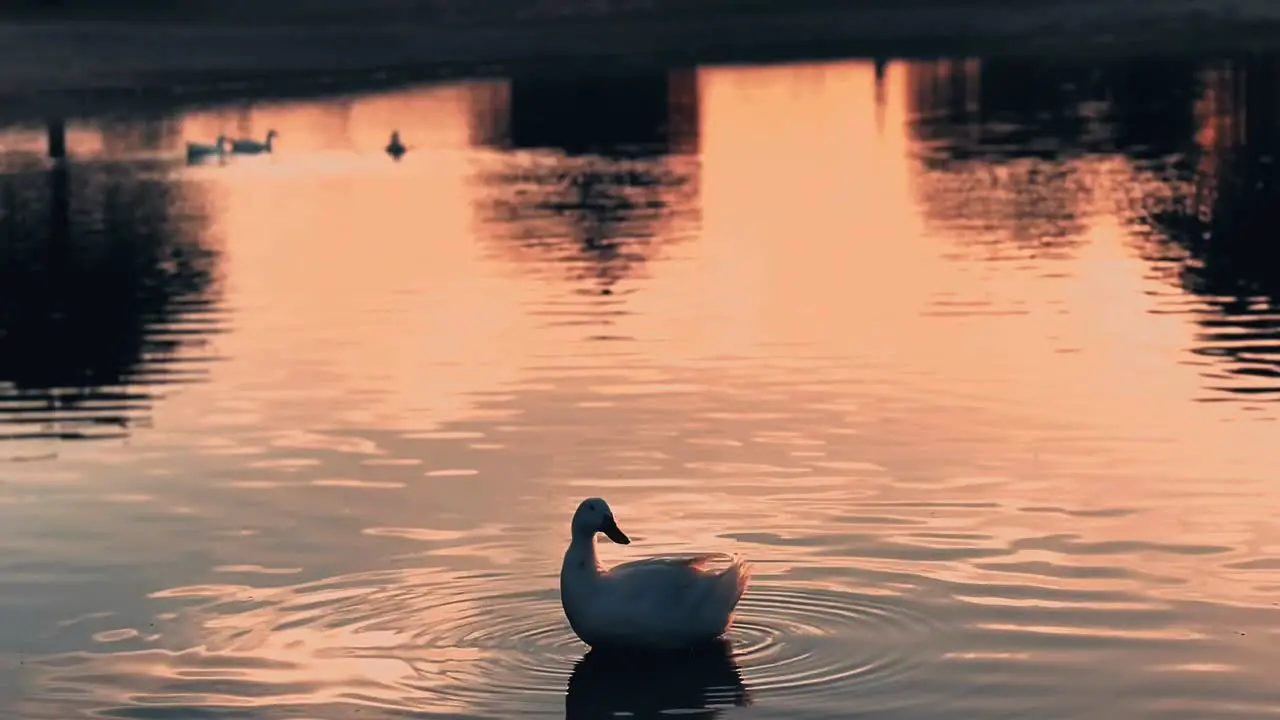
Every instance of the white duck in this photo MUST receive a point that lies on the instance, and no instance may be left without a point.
(253, 147)
(198, 151)
(395, 148)
(653, 604)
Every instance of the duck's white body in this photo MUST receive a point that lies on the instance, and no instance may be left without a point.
(253, 147)
(654, 604)
(197, 151)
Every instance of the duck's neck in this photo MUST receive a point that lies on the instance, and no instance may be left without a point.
(579, 578)
(580, 559)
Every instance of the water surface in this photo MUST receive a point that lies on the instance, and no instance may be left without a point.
(977, 361)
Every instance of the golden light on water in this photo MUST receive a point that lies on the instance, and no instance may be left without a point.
(946, 391)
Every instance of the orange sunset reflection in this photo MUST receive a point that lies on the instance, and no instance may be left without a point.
(312, 235)
(369, 647)
(929, 342)
(812, 244)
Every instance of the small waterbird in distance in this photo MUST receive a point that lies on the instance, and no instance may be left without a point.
(246, 146)
(395, 148)
(199, 151)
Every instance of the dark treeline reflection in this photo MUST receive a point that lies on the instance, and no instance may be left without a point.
(1017, 156)
(1219, 225)
(103, 280)
(601, 172)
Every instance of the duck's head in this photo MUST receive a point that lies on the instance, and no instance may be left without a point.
(272, 134)
(594, 516)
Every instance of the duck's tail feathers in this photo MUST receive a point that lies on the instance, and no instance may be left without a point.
(729, 587)
(731, 580)
(737, 576)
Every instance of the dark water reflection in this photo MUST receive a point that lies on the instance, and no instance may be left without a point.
(700, 683)
(106, 283)
(1217, 221)
(603, 173)
(637, 113)
(601, 219)
(926, 341)
(1021, 156)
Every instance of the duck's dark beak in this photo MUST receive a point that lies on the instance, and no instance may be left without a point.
(611, 531)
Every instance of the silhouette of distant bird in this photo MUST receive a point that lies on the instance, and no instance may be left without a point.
(395, 148)
(246, 146)
(198, 151)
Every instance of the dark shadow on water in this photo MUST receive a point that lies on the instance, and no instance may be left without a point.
(105, 291)
(601, 173)
(698, 683)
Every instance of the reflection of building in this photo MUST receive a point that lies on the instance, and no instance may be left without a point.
(1012, 148)
(994, 173)
(943, 94)
(615, 176)
(98, 267)
(595, 218)
(1014, 155)
(967, 108)
(489, 115)
(1023, 108)
(653, 112)
(1150, 106)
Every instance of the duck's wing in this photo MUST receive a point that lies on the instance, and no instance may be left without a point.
(672, 582)
(651, 585)
(660, 565)
(671, 596)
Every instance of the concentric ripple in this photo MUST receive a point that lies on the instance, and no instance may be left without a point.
(412, 640)
(436, 641)
(470, 641)
(797, 643)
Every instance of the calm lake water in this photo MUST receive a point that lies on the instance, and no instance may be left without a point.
(977, 361)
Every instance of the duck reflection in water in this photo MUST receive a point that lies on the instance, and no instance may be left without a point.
(700, 683)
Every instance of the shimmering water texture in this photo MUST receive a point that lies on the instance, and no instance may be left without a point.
(975, 361)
